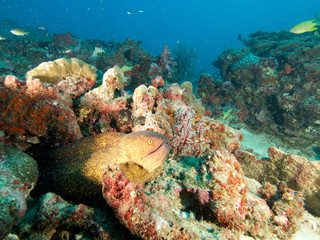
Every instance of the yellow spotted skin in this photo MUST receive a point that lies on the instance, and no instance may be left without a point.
(75, 170)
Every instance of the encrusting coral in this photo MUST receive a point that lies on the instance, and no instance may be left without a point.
(32, 109)
(202, 191)
(104, 104)
(299, 173)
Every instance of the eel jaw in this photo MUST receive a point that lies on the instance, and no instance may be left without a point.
(154, 159)
(148, 167)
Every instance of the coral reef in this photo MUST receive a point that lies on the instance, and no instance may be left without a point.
(298, 173)
(113, 80)
(140, 213)
(52, 217)
(31, 110)
(18, 176)
(75, 86)
(274, 78)
(52, 71)
(163, 65)
(98, 108)
(131, 56)
(144, 100)
(204, 189)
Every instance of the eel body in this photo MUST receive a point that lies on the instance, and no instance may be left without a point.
(75, 170)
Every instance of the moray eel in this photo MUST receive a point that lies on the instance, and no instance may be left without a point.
(75, 170)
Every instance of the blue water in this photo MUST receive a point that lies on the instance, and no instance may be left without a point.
(208, 26)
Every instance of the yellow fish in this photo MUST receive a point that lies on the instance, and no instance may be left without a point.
(42, 28)
(2, 38)
(18, 32)
(307, 26)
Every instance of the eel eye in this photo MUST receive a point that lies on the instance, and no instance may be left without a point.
(150, 141)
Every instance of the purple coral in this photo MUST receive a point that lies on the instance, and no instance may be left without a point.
(166, 61)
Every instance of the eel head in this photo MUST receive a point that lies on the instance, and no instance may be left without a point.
(144, 153)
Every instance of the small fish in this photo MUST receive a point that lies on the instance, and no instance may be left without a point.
(67, 51)
(129, 13)
(2, 38)
(42, 28)
(140, 11)
(307, 26)
(18, 32)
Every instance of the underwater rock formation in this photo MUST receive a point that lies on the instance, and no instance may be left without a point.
(102, 105)
(18, 176)
(141, 214)
(31, 110)
(297, 172)
(201, 191)
(144, 100)
(52, 217)
(275, 79)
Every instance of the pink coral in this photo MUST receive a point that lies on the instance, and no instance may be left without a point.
(195, 136)
(140, 213)
(157, 81)
(166, 61)
(74, 86)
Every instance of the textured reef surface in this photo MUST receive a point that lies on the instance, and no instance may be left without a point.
(57, 91)
(271, 86)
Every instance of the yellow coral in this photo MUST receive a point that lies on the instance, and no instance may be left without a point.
(126, 68)
(113, 79)
(52, 71)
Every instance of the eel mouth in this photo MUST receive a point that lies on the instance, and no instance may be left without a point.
(155, 158)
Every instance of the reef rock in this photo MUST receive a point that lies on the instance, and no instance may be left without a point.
(52, 217)
(113, 80)
(18, 176)
(141, 214)
(104, 104)
(298, 173)
(31, 110)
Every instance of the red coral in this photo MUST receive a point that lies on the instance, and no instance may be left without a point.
(157, 81)
(141, 214)
(267, 190)
(63, 40)
(74, 85)
(33, 109)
